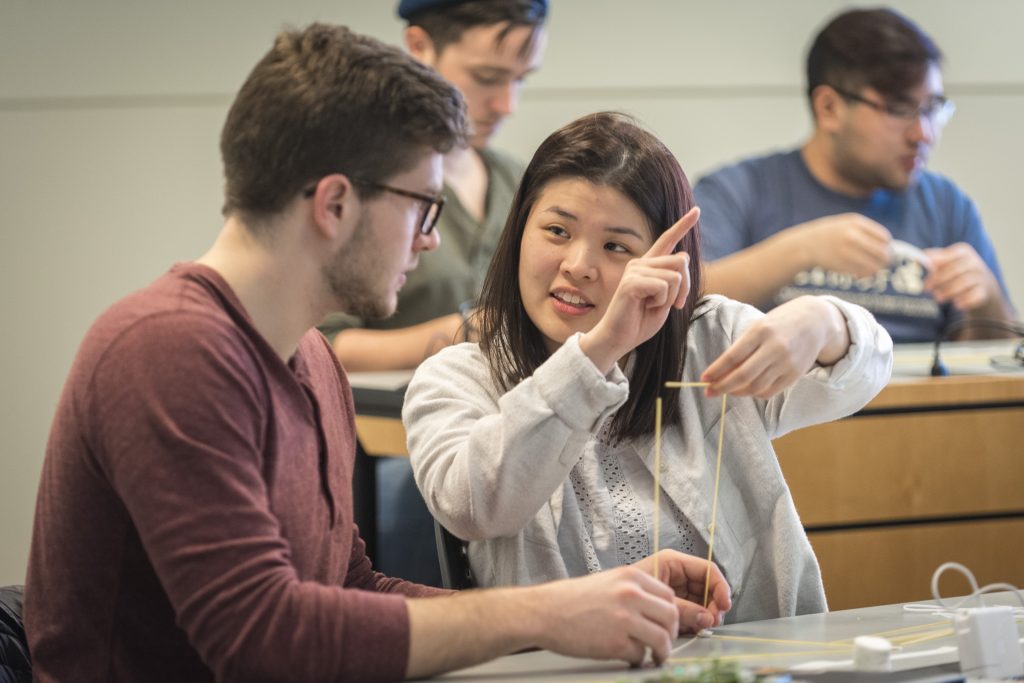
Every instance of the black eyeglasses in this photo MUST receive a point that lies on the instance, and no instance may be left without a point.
(431, 209)
(938, 110)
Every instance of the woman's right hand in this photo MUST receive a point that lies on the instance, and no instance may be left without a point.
(650, 286)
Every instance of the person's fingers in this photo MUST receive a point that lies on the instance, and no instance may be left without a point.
(719, 594)
(949, 282)
(782, 373)
(868, 257)
(684, 288)
(668, 240)
(717, 579)
(653, 619)
(732, 357)
(862, 224)
(776, 386)
(959, 254)
(941, 258)
(750, 378)
(876, 259)
(633, 652)
(653, 635)
(686, 574)
(770, 382)
(739, 378)
(677, 262)
(692, 616)
(950, 268)
(875, 241)
(970, 299)
(655, 288)
(674, 269)
(651, 585)
(875, 232)
(951, 288)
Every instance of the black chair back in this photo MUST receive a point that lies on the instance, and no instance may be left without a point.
(15, 663)
(453, 556)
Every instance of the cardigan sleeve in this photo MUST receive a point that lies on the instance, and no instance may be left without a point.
(486, 463)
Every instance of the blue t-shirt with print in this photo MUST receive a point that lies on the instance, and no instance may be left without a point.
(756, 198)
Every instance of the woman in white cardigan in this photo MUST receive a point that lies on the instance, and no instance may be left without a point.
(537, 445)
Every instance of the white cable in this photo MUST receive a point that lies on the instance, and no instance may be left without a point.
(963, 570)
(930, 610)
(976, 593)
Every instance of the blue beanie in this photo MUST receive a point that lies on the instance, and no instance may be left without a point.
(407, 8)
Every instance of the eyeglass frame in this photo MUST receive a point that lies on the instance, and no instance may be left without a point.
(431, 200)
(941, 108)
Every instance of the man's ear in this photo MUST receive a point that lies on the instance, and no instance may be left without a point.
(335, 206)
(828, 107)
(419, 44)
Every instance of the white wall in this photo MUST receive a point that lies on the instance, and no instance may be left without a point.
(110, 114)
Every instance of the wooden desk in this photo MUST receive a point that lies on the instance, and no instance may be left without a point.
(932, 470)
(379, 412)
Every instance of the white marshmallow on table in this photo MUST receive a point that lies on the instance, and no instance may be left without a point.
(872, 653)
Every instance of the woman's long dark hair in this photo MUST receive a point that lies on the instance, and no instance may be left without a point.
(612, 150)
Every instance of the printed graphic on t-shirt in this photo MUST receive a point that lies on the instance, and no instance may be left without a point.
(897, 290)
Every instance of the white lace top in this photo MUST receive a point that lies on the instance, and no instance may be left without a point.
(615, 493)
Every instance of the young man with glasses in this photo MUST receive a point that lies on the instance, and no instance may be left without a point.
(194, 519)
(843, 213)
(486, 48)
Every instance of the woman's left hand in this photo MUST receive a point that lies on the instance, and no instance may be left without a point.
(777, 350)
(686, 576)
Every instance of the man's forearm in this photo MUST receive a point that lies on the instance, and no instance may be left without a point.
(361, 350)
(753, 275)
(454, 632)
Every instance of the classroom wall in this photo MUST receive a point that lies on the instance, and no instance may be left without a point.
(110, 114)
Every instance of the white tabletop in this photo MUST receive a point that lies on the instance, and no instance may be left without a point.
(810, 638)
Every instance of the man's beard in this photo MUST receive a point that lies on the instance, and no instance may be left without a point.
(850, 168)
(352, 275)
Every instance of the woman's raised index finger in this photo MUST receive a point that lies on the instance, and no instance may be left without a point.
(667, 241)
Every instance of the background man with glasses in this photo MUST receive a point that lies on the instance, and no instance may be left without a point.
(833, 216)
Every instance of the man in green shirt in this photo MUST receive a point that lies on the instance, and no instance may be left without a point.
(486, 48)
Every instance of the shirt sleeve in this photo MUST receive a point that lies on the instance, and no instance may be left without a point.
(974, 234)
(181, 443)
(487, 463)
(362, 576)
(336, 322)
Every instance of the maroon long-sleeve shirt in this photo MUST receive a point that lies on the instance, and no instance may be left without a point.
(194, 519)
